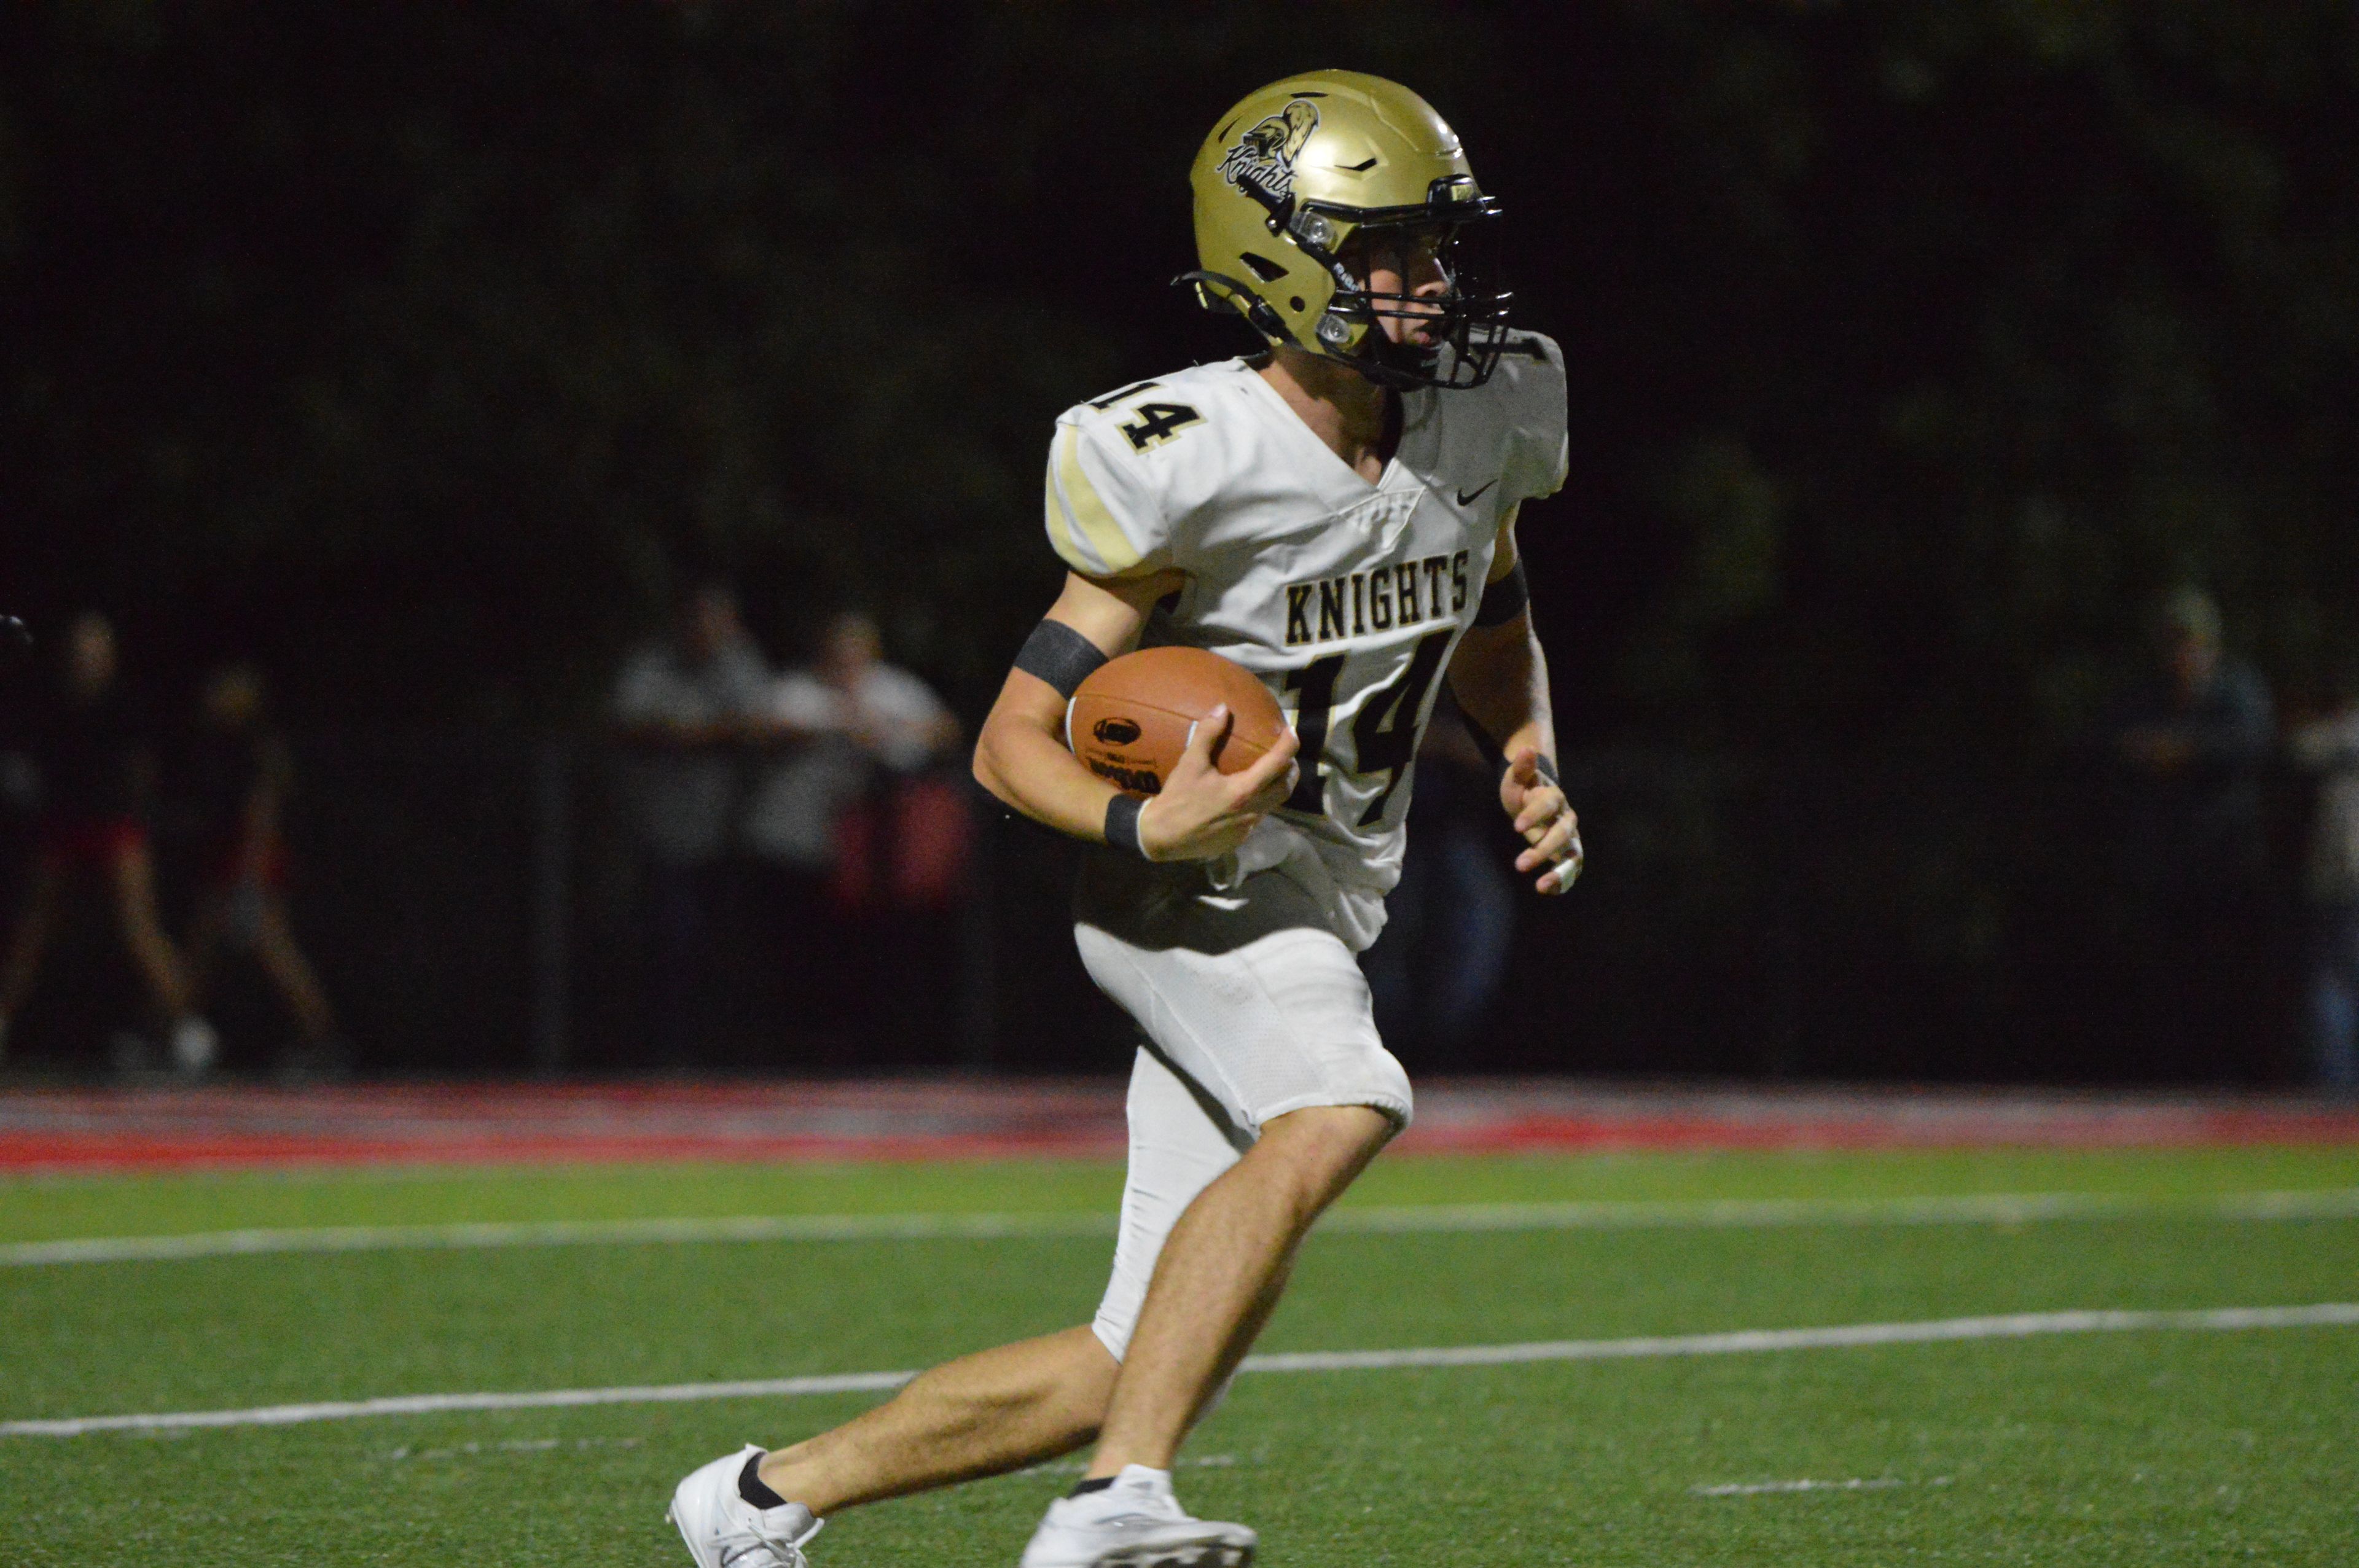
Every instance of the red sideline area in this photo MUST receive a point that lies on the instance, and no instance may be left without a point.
(53, 1129)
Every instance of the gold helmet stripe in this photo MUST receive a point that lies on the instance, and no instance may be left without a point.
(1075, 503)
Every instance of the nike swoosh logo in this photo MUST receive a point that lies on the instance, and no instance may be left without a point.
(1466, 497)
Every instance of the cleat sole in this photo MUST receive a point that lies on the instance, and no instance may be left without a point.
(1208, 1555)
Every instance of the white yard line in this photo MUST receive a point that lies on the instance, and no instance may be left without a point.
(556, 1233)
(1983, 1208)
(436, 1404)
(1847, 1337)
(1770, 1489)
(2331, 1314)
(519, 1445)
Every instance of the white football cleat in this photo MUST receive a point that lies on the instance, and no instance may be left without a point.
(1134, 1524)
(724, 1530)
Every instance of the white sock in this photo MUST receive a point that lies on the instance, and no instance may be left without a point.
(1139, 1477)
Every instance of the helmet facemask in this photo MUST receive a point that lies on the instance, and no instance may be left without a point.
(1463, 324)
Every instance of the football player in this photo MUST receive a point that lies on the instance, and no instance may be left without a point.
(1337, 514)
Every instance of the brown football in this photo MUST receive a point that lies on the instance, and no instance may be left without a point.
(1130, 721)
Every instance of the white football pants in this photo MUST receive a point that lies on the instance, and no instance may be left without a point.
(1251, 1008)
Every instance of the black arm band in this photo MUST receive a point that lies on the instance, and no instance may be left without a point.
(1504, 597)
(1546, 767)
(1059, 656)
(1122, 823)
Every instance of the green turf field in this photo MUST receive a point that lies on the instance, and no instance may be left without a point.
(2168, 1446)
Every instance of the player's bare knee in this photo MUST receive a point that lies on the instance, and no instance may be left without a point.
(1338, 1129)
(1323, 1147)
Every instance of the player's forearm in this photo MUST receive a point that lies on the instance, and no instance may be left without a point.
(1021, 755)
(1499, 677)
(1026, 765)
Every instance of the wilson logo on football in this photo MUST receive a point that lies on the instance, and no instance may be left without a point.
(1263, 157)
(1138, 781)
(1116, 732)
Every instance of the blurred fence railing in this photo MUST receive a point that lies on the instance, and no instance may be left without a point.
(475, 903)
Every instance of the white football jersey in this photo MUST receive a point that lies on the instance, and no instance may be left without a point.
(1345, 597)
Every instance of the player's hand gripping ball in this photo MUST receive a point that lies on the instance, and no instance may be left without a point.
(1132, 717)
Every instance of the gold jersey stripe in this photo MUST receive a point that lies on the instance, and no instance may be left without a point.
(1063, 536)
(1084, 507)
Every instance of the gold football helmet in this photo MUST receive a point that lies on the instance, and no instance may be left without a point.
(1298, 181)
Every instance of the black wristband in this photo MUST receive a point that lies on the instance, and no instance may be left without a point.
(1059, 656)
(1504, 597)
(1122, 823)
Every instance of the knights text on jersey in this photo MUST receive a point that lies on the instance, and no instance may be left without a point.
(1345, 597)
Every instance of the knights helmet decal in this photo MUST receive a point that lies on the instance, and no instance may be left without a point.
(1263, 158)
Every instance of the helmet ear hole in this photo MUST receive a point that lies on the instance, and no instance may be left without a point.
(1295, 303)
(1264, 268)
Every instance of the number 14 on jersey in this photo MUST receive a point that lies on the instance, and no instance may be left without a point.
(1383, 732)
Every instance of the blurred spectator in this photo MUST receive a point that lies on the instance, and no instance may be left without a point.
(858, 722)
(2188, 743)
(855, 826)
(234, 781)
(2327, 747)
(1436, 971)
(685, 707)
(96, 774)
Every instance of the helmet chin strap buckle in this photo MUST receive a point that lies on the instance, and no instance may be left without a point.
(1216, 292)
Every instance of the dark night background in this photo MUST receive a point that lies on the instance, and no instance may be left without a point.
(1914, 347)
